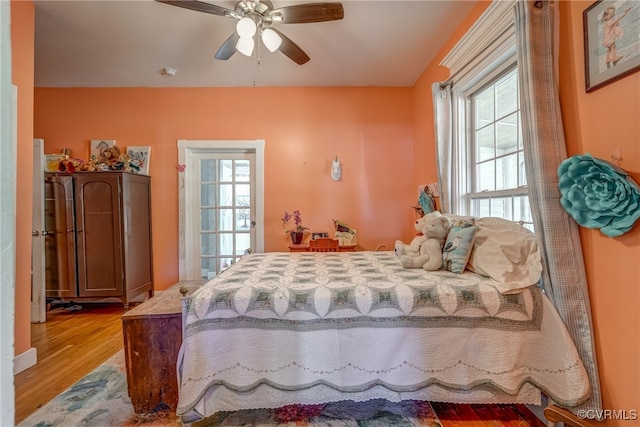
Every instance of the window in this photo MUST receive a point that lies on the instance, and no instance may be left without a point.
(225, 209)
(488, 173)
(497, 179)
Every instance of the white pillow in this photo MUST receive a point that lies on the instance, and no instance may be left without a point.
(507, 252)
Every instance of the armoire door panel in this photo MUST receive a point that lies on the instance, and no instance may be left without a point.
(99, 241)
(60, 250)
(136, 200)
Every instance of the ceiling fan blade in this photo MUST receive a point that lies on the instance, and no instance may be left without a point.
(306, 13)
(201, 7)
(228, 48)
(292, 50)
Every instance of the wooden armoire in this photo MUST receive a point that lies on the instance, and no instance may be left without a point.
(98, 236)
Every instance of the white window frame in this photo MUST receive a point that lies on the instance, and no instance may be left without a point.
(472, 193)
(485, 52)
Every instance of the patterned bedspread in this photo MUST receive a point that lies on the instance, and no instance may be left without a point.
(280, 328)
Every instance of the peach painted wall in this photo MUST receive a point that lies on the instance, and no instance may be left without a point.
(598, 123)
(595, 123)
(361, 120)
(369, 129)
(22, 45)
(424, 158)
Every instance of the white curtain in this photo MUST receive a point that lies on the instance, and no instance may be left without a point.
(443, 110)
(564, 278)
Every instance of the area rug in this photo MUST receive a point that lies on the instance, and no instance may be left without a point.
(100, 399)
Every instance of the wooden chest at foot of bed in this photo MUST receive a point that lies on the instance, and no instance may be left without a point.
(152, 334)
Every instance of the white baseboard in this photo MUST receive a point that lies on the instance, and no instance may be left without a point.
(25, 360)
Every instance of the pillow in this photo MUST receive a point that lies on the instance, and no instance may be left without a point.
(457, 248)
(454, 217)
(507, 252)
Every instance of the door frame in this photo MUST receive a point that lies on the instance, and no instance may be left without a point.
(185, 150)
(38, 297)
(8, 157)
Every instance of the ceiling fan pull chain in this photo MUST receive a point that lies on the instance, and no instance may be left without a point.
(256, 62)
(258, 54)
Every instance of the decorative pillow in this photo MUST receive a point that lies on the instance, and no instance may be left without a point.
(457, 248)
(507, 252)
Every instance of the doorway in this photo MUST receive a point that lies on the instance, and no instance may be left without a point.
(38, 299)
(221, 204)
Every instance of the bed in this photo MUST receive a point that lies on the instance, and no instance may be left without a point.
(306, 328)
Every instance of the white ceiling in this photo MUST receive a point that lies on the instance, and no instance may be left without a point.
(111, 43)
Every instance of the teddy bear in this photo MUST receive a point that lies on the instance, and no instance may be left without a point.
(412, 249)
(429, 256)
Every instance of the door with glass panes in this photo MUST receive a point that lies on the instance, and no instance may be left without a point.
(224, 218)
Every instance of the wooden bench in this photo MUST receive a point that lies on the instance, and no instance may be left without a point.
(152, 334)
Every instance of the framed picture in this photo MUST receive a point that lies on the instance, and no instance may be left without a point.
(139, 158)
(318, 235)
(98, 147)
(611, 41)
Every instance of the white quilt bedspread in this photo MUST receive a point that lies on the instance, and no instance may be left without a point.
(282, 328)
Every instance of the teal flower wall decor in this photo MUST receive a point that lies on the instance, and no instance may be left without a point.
(598, 194)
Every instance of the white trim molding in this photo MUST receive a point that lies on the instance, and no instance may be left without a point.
(25, 360)
(495, 26)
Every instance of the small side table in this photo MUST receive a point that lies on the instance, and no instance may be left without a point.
(304, 247)
(347, 248)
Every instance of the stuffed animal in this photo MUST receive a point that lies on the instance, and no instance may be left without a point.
(435, 229)
(413, 249)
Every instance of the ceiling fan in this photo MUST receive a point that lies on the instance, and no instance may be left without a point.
(257, 16)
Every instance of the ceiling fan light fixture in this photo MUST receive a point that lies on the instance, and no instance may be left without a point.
(271, 39)
(255, 16)
(245, 46)
(246, 28)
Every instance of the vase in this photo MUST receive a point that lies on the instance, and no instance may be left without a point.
(296, 237)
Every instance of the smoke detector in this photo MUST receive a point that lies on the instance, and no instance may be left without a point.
(168, 72)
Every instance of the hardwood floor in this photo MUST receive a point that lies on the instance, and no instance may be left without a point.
(452, 415)
(73, 343)
(69, 345)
